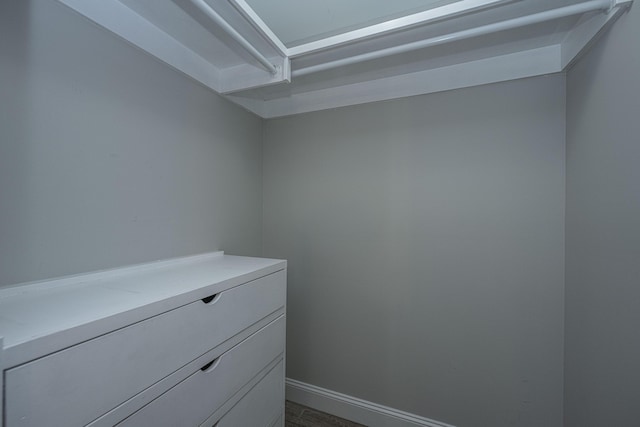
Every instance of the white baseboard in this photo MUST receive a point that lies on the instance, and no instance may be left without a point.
(354, 409)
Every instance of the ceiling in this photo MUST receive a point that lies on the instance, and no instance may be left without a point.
(283, 57)
(297, 22)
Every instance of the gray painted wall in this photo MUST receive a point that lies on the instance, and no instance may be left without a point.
(603, 232)
(108, 157)
(425, 240)
(424, 235)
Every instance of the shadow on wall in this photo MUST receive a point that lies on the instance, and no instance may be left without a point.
(109, 157)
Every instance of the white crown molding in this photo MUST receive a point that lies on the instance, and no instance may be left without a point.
(243, 77)
(530, 63)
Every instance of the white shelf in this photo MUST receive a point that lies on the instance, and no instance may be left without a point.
(227, 46)
(43, 317)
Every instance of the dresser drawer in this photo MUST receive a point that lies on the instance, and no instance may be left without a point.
(75, 386)
(190, 402)
(263, 406)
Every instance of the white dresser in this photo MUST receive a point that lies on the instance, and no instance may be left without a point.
(195, 341)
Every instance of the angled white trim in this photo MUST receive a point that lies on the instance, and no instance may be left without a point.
(403, 23)
(589, 30)
(354, 409)
(534, 62)
(509, 24)
(119, 19)
(252, 17)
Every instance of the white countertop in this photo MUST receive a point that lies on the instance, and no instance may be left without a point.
(39, 318)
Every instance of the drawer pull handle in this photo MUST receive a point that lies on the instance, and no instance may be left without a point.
(211, 365)
(211, 298)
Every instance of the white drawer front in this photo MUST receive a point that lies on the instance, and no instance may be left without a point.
(194, 399)
(75, 386)
(279, 422)
(262, 406)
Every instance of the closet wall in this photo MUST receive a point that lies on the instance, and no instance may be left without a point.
(425, 235)
(603, 232)
(109, 157)
(425, 239)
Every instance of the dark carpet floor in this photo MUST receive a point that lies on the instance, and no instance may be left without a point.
(302, 416)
